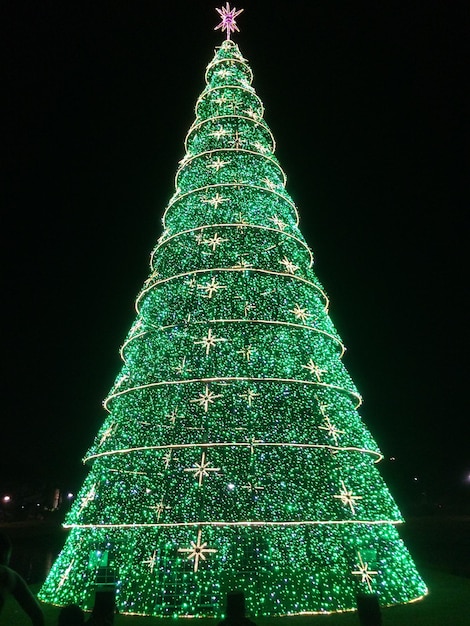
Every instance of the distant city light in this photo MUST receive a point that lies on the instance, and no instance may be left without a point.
(70, 496)
(6, 499)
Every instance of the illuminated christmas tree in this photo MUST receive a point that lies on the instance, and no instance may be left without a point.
(233, 454)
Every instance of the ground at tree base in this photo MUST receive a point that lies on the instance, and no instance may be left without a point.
(446, 603)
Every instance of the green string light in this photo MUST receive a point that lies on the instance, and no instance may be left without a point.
(233, 452)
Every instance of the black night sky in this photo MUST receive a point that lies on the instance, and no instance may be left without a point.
(367, 102)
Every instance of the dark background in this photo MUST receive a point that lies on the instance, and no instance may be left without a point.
(368, 106)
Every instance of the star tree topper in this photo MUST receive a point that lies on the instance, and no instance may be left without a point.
(228, 16)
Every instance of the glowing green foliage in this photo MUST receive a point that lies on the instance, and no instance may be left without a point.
(233, 453)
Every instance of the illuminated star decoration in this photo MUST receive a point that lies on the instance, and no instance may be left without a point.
(278, 222)
(211, 288)
(173, 416)
(246, 351)
(247, 308)
(300, 314)
(251, 444)
(269, 183)
(365, 573)
(216, 200)
(248, 396)
(209, 341)
(314, 369)
(182, 368)
(259, 146)
(237, 141)
(254, 116)
(197, 550)
(219, 133)
(88, 498)
(202, 469)
(221, 100)
(206, 398)
(107, 433)
(331, 429)
(65, 575)
(243, 264)
(224, 73)
(228, 16)
(214, 241)
(159, 508)
(168, 457)
(347, 497)
(241, 219)
(252, 487)
(217, 164)
(151, 561)
(290, 267)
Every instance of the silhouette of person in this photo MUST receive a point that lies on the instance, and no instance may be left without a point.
(104, 609)
(235, 611)
(71, 615)
(12, 583)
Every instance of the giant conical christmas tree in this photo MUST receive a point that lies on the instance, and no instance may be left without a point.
(233, 454)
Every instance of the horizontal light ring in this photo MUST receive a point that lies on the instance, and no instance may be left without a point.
(230, 61)
(215, 118)
(232, 269)
(235, 379)
(237, 225)
(241, 523)
(239, 444)
(241, 321)
(176, 199)
(205, 93)
(236, 151)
